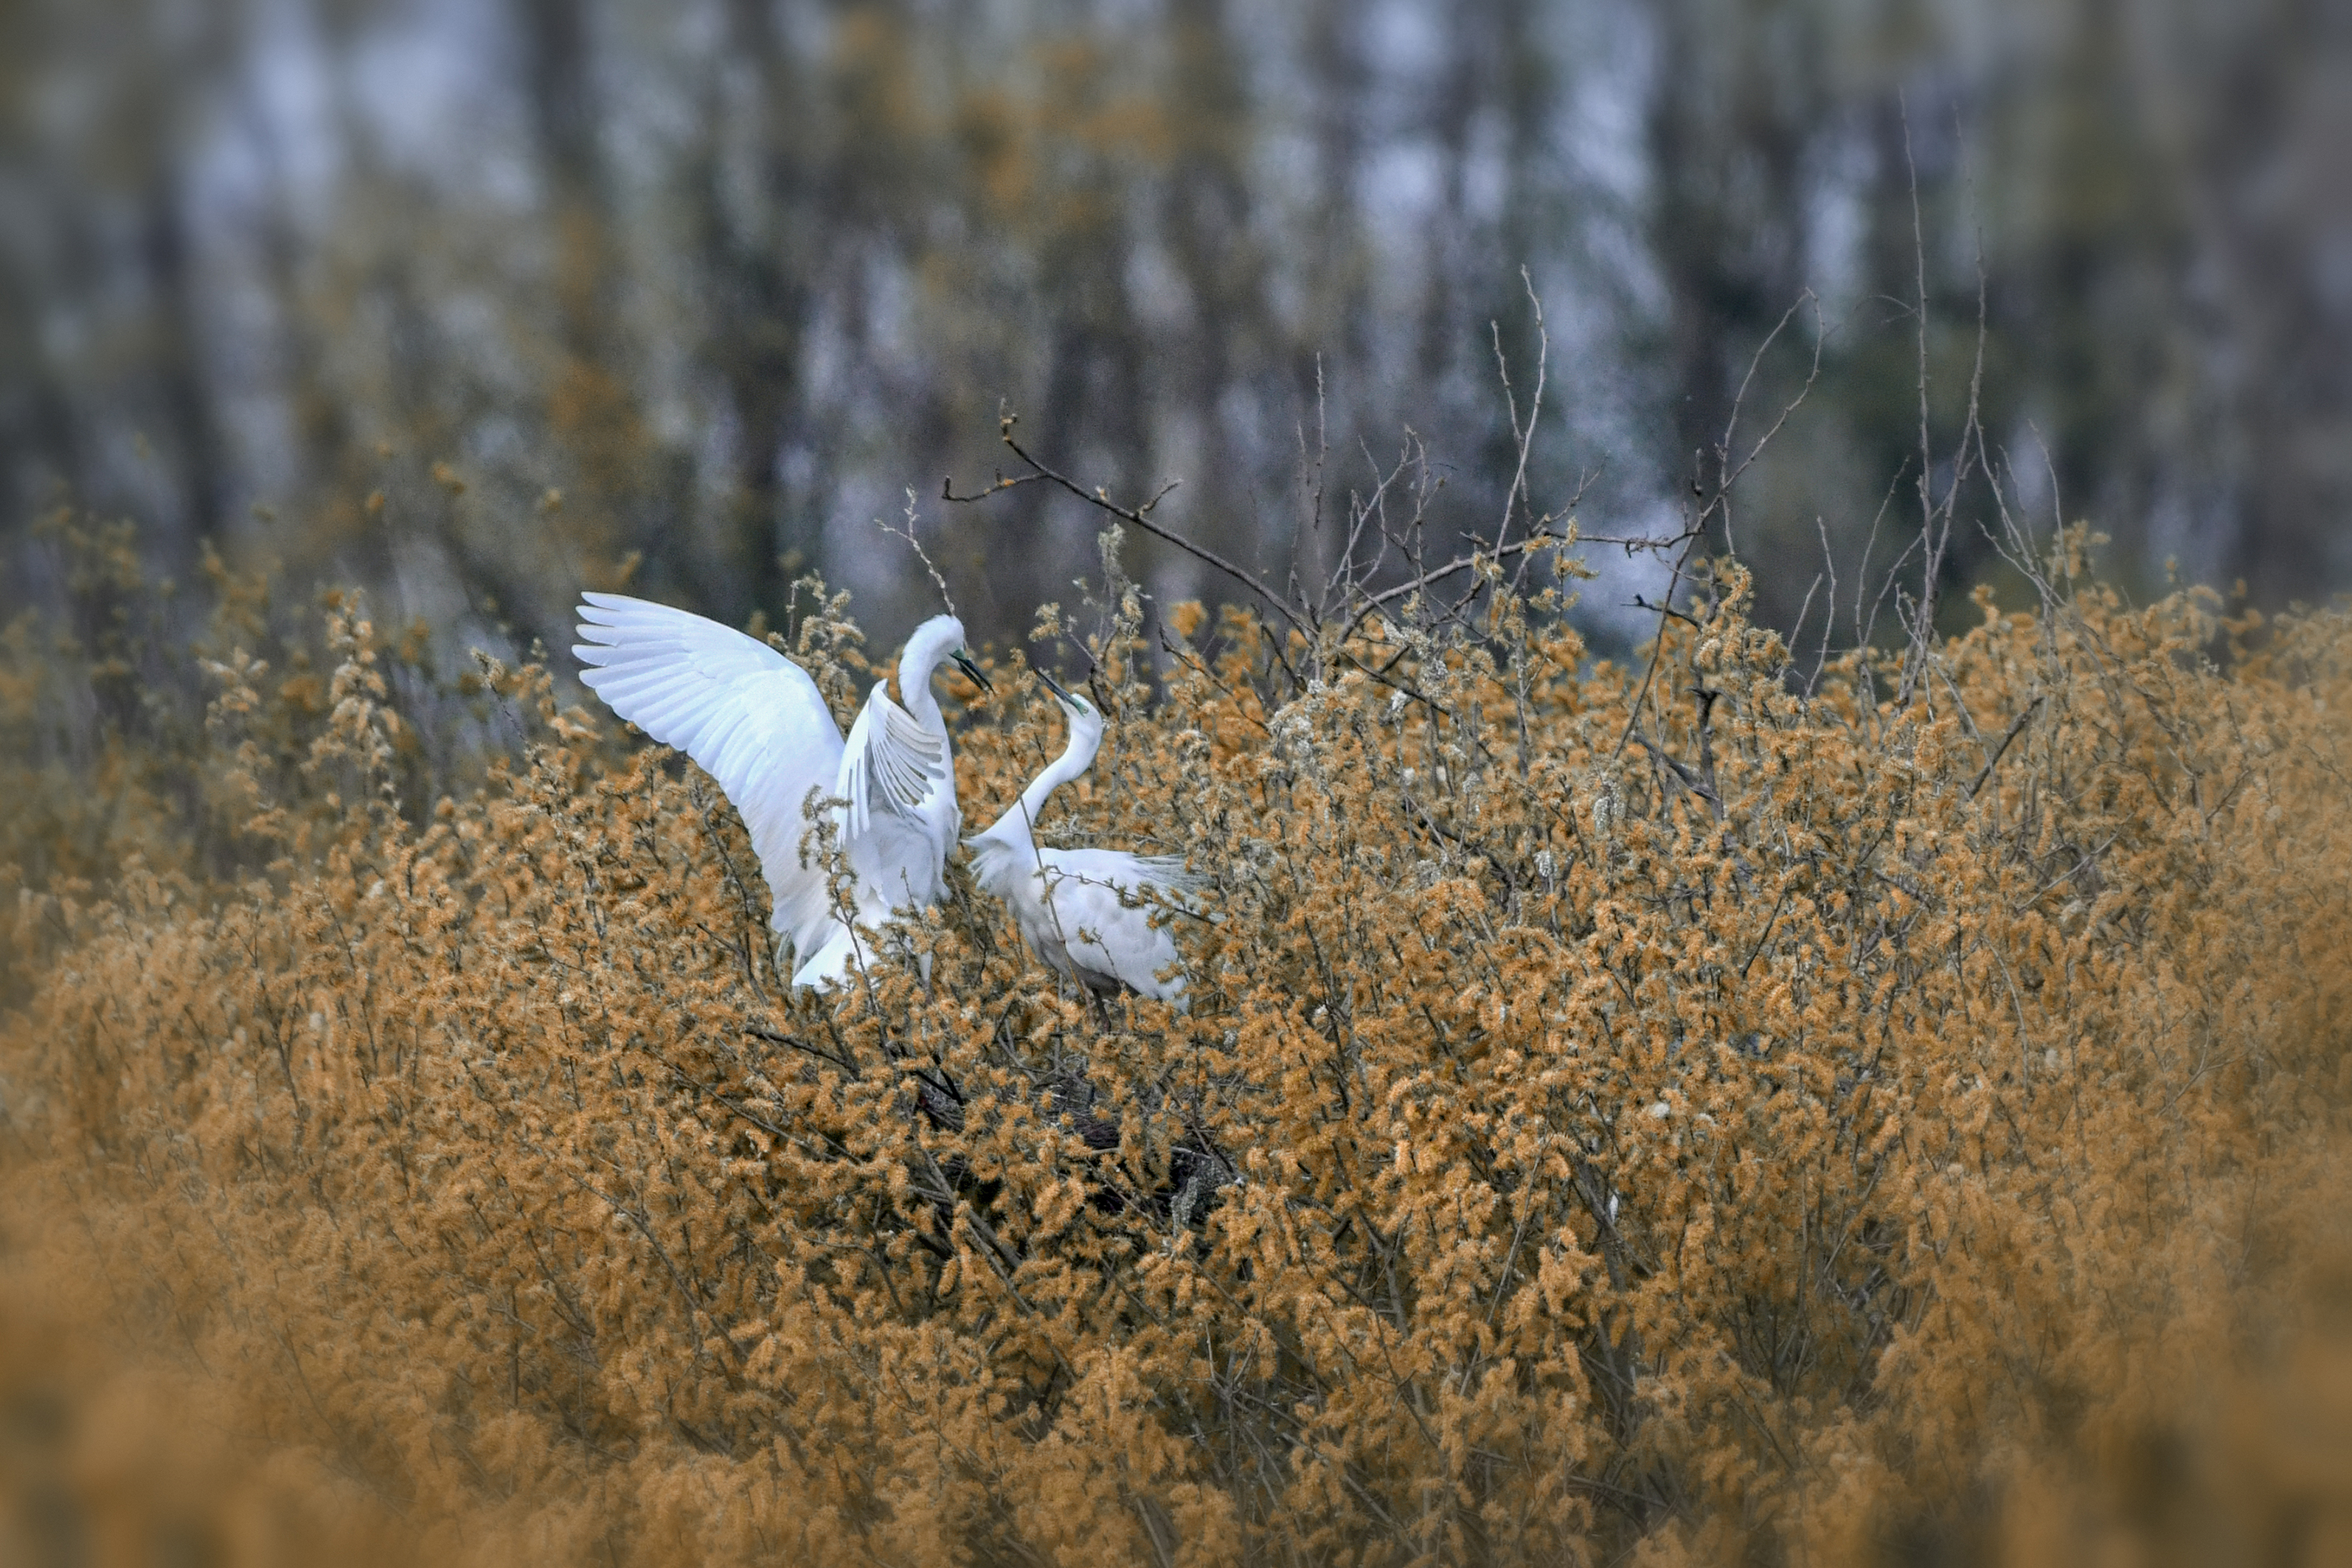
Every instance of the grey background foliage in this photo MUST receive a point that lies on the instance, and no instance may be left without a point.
(688, 295)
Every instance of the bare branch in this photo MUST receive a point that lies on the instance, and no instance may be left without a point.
(1525, 436)
(1727, 477)
(907, 534)
(2015, 729)
(1141, 516)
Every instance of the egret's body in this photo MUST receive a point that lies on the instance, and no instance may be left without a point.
(1081, 909)
(755, 722)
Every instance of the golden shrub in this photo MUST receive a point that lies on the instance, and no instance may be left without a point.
(1692, 1109)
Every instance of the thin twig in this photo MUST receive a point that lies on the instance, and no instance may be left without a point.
(1994, 761)
(907, 534)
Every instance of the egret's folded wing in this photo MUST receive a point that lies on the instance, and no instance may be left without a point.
(751, 717)
(1107, 934)
(890, 763)
(1168, 874)
(1147, 881)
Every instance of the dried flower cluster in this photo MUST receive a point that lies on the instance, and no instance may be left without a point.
(1698, 1109)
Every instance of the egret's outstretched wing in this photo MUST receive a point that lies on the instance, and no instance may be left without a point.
(751, 717)
(890, 762)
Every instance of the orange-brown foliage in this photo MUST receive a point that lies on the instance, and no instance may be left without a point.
(1891, 1120)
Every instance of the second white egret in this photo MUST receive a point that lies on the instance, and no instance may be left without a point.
(1083, 909)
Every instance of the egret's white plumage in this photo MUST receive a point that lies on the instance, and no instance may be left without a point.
(1081, 909)
(755, 722)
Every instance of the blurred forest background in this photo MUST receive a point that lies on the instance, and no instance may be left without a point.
(474, 302)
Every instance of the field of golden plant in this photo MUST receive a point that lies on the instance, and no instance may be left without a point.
(1734, 1107)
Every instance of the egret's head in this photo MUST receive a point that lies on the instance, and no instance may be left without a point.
(937, 641)
(1085, 719)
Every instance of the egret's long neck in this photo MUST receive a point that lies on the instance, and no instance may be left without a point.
(932, 642)
(915, 668)
(1076, 758)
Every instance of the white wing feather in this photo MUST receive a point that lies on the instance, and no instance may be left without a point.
(750, 717)
(889, 762)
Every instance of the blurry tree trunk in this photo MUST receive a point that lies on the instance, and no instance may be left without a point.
(324, 445)
(179, 361)
(560, 78)
(1339, 329)
(1204, 222)
(1735, 102)
(40, 442)
(2277, 232)
(593, 401)
(759, 263)
(1488, 118)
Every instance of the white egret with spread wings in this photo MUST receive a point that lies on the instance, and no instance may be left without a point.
(1083, 910)
(755, 722)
